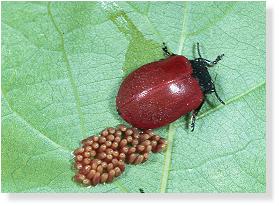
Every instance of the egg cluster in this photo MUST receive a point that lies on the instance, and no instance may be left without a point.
(102, 158)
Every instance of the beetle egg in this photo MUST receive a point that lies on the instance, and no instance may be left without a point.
(102, 140)
(132, 150)
(109, 151)
(89, 142)
(105, 133)
(117, 139)
(93, 153)
(123, 142)
(95, 138)
(104, 165)
(78, 166)
(110, 137)
(95, 145)
(86, 161)
(129, 132)
(132, 157)
(111, 130)
(117, 171)
(86, 169)
(139, 159)
(86, 154)
(122, 128)
(118, 133)
(108, 143)
(79, 151)
(79, 177)
(114, 145)
(102, 155)
(110, 166)
(111, 175)
(102, 148)
(88, 148)
(104, 177)
(96, 178)
(79, 158)
(86, 181)
(91, 174)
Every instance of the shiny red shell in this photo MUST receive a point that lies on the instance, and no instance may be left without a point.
(159, 93)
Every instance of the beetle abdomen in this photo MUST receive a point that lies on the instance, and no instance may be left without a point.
(159, 93)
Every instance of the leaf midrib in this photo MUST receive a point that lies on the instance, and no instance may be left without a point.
(171, 128)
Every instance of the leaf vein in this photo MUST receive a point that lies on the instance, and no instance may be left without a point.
(69, 72)
(29, 125)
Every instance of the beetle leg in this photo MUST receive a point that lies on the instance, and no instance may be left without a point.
(216, 94)
(194, 114)
(165, 50)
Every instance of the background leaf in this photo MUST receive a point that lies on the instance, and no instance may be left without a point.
(62, 64)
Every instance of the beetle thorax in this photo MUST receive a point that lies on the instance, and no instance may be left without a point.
(200, 72)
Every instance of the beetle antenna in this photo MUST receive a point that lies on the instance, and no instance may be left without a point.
(165, 50)
(198, 48)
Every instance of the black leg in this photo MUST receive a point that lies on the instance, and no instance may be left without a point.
(218, 58)
(141, 190)
(194, 114)
(220, 100)
(165, 50)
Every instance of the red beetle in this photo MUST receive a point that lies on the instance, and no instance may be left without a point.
(160, 92)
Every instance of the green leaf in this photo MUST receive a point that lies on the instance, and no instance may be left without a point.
(62, 64)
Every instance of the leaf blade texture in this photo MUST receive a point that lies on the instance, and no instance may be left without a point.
(62, 64)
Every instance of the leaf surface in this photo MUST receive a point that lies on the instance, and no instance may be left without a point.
(63, 62)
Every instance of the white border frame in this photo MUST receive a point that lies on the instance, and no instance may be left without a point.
(270, 198)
